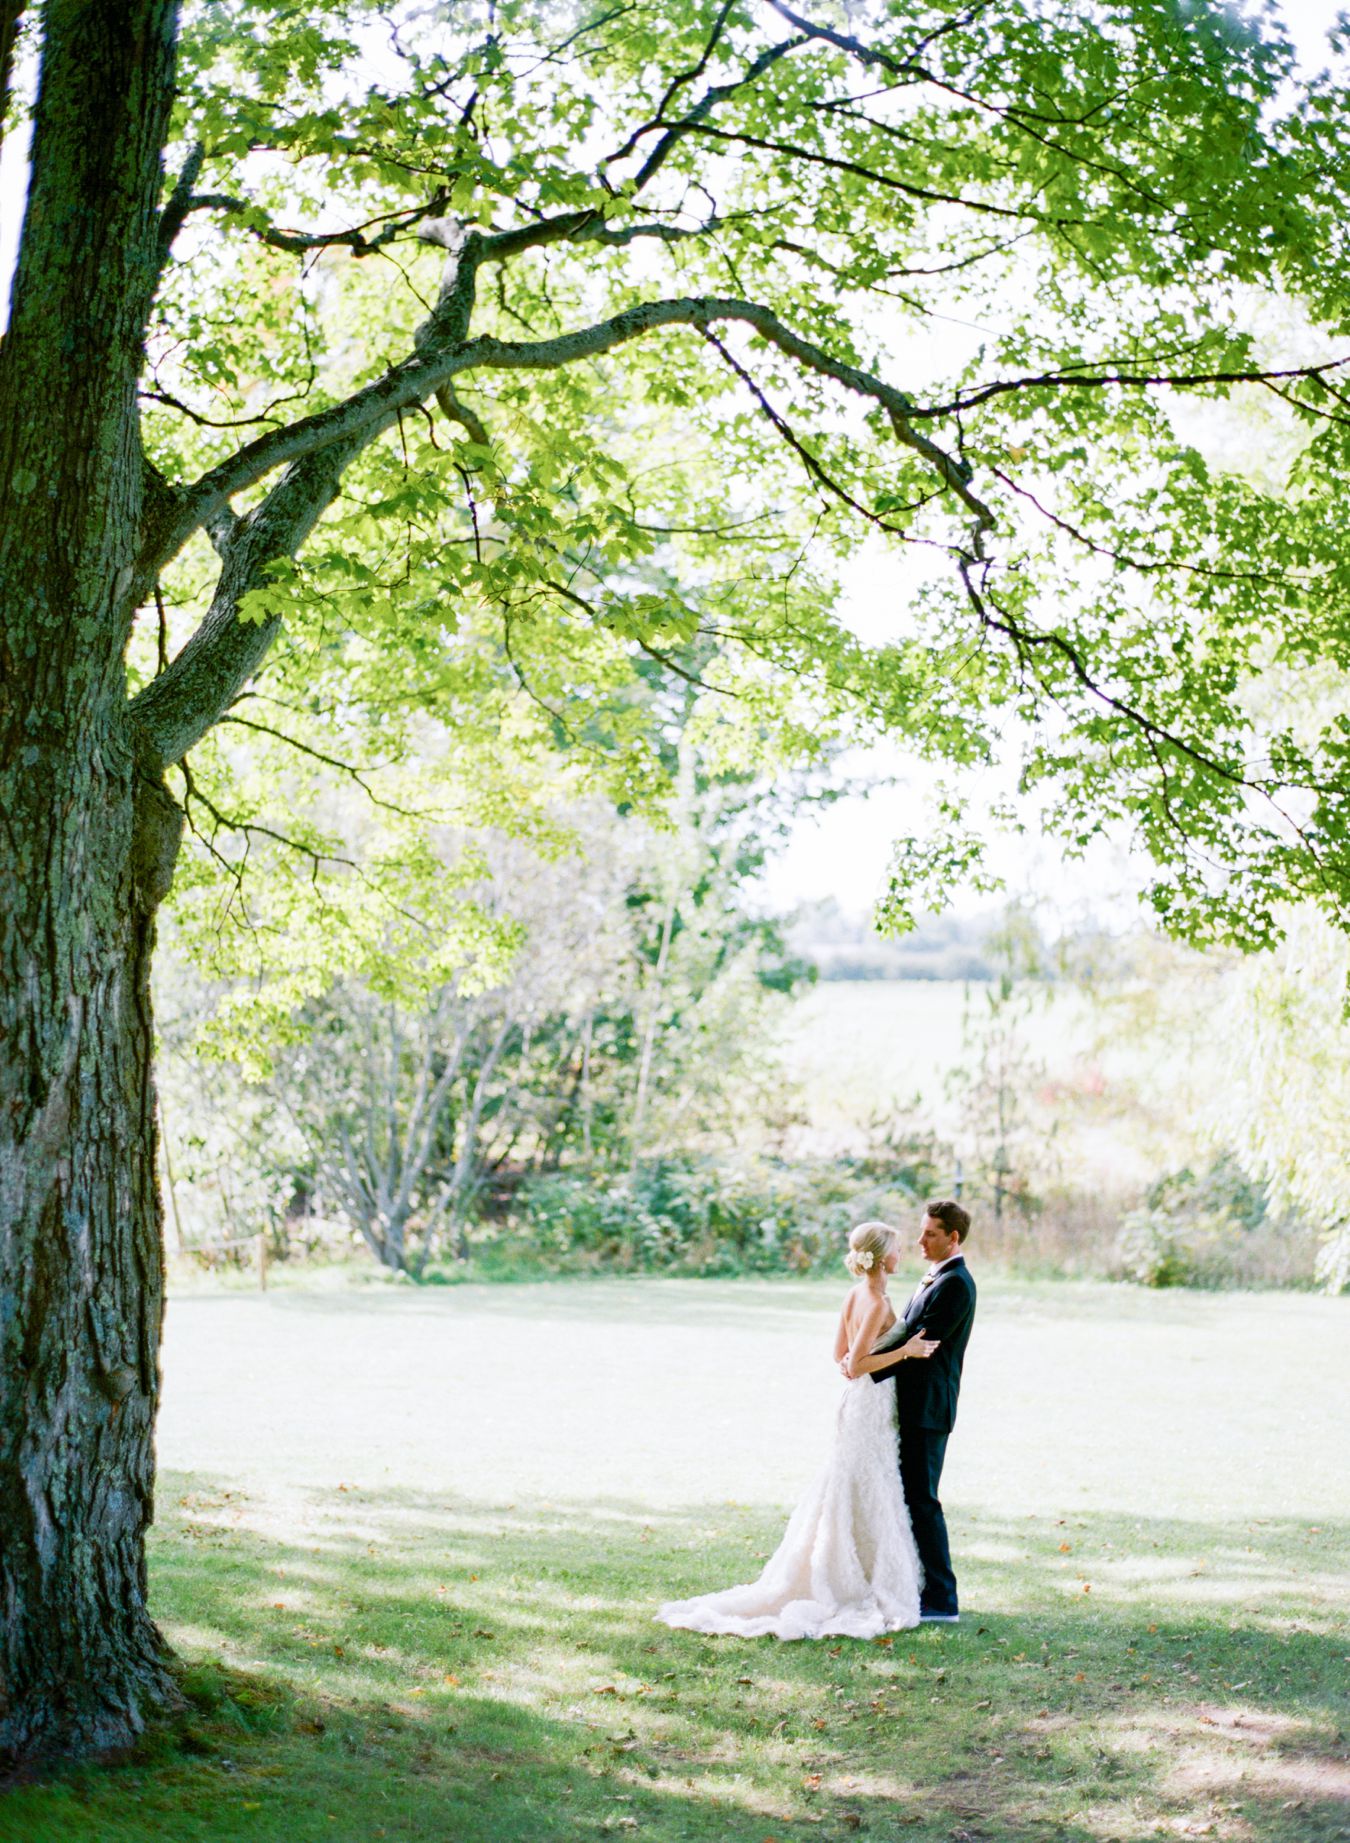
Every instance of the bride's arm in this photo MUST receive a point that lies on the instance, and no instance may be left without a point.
(922, 1330)
(868, 1365)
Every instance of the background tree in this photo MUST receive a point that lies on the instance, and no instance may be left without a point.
(996, 1080)
(617, 1006)
(436, 330)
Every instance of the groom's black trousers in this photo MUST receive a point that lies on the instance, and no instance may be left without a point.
(921, 1454)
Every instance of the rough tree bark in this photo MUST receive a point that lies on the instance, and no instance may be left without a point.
(89, 839)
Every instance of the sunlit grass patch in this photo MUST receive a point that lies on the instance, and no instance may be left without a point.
(423, 1698)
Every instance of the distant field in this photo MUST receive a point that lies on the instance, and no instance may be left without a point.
(862, 1047)
(857, 1049)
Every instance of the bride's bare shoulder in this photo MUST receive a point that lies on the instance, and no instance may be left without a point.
(859, 1301)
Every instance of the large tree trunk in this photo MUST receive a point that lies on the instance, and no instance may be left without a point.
(81, 1267)
(89, 835)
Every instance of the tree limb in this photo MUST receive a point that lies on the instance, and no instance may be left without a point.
(368, 412)
(1097, 380)
(178, 707)
(296, 241)
(676, 131)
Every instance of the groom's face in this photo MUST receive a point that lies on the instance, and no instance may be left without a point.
(936, 1242)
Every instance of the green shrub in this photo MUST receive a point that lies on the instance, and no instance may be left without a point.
(707, 1216)
(1212, 1228)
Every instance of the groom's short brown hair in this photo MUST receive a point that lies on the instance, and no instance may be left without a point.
(953, 1218)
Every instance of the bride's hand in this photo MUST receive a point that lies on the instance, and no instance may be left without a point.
(921, 1346)
(844, 1368)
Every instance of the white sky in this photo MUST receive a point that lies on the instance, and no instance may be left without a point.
(844, 853)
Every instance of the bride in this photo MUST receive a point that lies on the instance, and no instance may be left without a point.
(847, 1566)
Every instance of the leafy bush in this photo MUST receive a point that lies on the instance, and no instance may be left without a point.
(1154, 1249)
(1214, 1228)
(694, 1215)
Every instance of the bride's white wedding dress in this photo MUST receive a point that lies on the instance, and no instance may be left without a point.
(847, 1566)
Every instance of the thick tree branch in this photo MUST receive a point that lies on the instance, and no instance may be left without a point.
(180, 200)
(583, 227)
(366, 414)
(178, 707)
(454, 410)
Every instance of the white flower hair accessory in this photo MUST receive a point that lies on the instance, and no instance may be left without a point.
(860, 1260)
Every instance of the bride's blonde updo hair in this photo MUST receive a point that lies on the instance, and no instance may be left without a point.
(868, 1246)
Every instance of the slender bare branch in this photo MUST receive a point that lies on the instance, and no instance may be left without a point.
(1101, 377)
(394, 224)
(711, 97)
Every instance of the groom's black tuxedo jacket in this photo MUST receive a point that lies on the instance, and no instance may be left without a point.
(926, 1388)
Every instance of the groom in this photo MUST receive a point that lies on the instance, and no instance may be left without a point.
(943, 1307)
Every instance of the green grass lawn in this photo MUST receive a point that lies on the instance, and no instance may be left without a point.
(410, 1544)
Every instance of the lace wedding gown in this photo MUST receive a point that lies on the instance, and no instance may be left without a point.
(847, 1566)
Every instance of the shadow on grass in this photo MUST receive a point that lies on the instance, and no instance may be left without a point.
(394, 1666)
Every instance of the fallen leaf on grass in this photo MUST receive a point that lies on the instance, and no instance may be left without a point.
(451, 1679)
(811, 1781)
